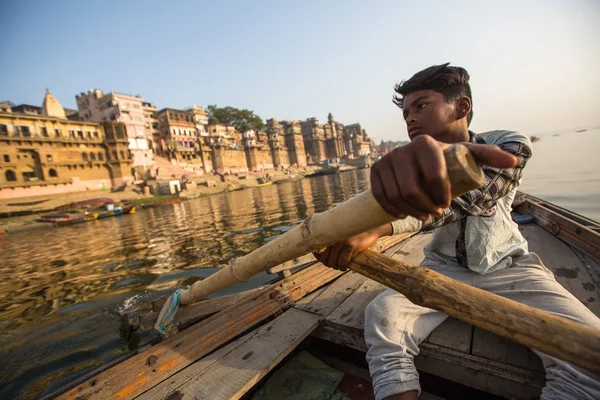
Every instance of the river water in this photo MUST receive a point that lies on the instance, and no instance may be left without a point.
(63, 291)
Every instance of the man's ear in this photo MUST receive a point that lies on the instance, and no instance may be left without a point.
(463, 107)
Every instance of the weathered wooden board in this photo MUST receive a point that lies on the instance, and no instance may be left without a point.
(192, 312)
(145, 370)
(453, 334)
(572, 232)
(169, 386)
(497, 348)
(238, 371)
(351, 313)
(567, 267)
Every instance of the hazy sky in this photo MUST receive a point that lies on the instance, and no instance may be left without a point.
(534, 66)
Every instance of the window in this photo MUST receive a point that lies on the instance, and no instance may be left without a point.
(25, 131)
(88, 134)
(52, 173)
(44, 131)
(10, 176)
(49, 157)
(122, 154)
(3, 130)
(71, 133)
(100, 157)
(6, 158)
(96, 134)
(93, 156)
(114, 153)
(56, 132)
(80, 134)
(129, 155)
(84, 156)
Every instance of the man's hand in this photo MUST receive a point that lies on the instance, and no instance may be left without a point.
(338, 256)
(413, 179)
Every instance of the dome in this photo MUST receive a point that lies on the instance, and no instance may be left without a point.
(51, 107)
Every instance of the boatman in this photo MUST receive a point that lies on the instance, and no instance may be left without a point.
(474, 239)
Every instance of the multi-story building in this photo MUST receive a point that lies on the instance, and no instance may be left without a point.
(200, 116)
(151, 127)
(178, 132)
(97, 106)
(47, 153)
(356, 141)
(286, 142)
(323, 142)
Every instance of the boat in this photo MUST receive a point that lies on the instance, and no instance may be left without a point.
(86, 203)
(111, 211)
(309, 322)
(324, 171)
(293, 178)
(162, 203)
(345, 168)
(535, 138)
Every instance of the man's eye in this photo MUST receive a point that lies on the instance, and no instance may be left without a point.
(421, 106)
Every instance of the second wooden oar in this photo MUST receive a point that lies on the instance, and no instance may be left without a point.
(550, 334)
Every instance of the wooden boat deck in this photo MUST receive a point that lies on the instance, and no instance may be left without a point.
(187, 365)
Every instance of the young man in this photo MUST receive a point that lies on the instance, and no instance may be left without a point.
(474, 239)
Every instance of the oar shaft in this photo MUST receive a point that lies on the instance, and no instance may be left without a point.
(354, 216)
(539, 330)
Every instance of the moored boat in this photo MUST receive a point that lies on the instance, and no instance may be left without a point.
(321, 311)
(86, 203)
(324, 171)
(162, 203)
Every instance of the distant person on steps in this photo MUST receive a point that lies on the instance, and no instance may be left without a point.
(474, 239)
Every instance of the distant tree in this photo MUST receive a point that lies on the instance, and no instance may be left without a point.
(243, 120)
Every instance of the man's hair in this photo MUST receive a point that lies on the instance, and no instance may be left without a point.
(451, 82)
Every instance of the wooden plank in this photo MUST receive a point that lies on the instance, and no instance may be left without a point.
(143, 371)
(305, 259)
(567, 267)
(170, 385)
(333, 295)
(493, 347)
(453, 334)
(238, 371)
(351, 313)
(575, 234)
(192, 312)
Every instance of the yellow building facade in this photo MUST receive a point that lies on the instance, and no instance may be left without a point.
(42, 154)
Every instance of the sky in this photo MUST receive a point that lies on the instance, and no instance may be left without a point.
(534, 65)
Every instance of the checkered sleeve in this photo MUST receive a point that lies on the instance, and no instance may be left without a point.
(498, 183)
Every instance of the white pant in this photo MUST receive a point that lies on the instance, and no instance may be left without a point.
(394, 328)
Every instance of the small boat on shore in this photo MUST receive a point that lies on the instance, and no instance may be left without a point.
(70, 217)
(162, 203)
(86, 203)
(290, 179)
(324, 171)
(310, 323)
(75, 216)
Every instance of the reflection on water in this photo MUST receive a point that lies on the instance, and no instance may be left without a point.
(62, 291)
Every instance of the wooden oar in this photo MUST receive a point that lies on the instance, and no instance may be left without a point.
(556, 336)
(354, 216)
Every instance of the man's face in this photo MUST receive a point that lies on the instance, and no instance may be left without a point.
(427, 113)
